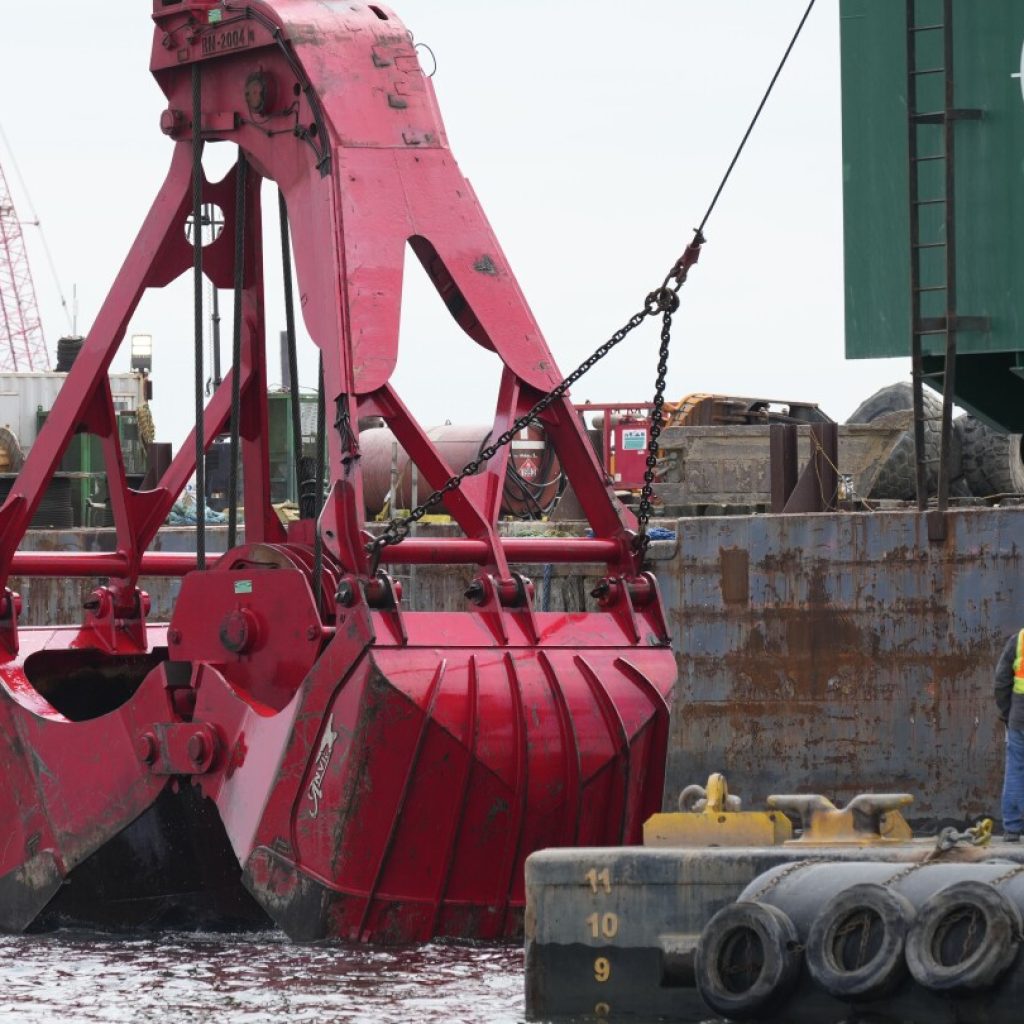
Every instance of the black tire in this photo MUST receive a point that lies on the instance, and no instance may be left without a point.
(992, 461)
(942, 959)
(894, 398)
(67, 352)
(897, 479)
(877, 920)
(13, 458)
(766, 939)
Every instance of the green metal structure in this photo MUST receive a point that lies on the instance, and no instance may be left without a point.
(933, 171)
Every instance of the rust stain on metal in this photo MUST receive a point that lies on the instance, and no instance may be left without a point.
(861, 660)
(735, 564)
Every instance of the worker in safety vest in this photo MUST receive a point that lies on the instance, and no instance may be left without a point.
(1010, 702)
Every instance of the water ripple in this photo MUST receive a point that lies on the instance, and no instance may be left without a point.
(256, 979)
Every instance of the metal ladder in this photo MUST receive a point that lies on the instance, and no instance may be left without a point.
(932, 236)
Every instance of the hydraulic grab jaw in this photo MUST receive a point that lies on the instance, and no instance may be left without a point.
(380, 774)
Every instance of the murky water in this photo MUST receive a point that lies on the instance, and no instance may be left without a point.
(176, 979)
(79, 978)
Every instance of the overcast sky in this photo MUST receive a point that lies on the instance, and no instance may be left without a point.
(594, 132)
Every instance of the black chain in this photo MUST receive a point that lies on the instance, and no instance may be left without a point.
(663, 300)
(643, 513)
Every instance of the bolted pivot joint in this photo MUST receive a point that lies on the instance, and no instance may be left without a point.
(181, 748)
(240, 631)
(383, 592)
(640, 590)
(173, 123)
(346, 595)
(148, 748)
(515, 592)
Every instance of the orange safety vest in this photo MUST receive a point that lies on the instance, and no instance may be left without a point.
(1018, 665)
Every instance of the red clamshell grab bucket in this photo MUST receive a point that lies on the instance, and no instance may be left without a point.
(437, 772)
(398, 794)
(369, 772)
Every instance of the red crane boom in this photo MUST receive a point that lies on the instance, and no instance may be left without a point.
(22, 344)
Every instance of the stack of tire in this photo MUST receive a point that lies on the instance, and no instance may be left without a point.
(982, 463)
(993, 461)
(824, 943)
(67, 352)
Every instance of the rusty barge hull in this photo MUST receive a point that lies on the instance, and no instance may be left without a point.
(818, 653)
(845, 653)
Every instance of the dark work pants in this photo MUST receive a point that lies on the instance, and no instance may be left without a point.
(1013, 782)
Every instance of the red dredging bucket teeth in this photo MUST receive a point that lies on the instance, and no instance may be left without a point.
(297, 745)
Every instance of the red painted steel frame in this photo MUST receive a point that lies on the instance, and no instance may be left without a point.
(380, 774)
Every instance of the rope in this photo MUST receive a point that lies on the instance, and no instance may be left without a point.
(754, 120)
(293, 356)
(321, 440)
(241, 175)
(197, 285)
(824, 454)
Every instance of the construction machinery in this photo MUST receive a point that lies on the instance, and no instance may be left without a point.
(364, 771)
(22, 343)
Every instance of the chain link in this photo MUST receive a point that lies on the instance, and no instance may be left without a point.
(643, 515)
(664, 300)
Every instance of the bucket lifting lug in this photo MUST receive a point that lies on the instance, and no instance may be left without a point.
(359, 597)
(115, 619)
(631, 600)
(497, 599)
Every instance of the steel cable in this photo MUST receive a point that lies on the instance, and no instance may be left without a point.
(321, 442)
(197, 286)
(754, 119)
(241, 180)
(293, 356)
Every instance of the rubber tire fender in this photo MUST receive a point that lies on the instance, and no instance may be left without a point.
(988, 962)
(886, 969)
(780, 969)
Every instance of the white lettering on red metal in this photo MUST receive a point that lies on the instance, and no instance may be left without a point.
(323, 761)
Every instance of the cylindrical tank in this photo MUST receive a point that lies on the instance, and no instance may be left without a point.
(532, 485)
(922, 941)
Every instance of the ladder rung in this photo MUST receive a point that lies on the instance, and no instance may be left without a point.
(930, 202)
(926, 159)
(953, 114)
(926, 28)
(931, 288)
(929, 71)
(954, 324)
(929, 245)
